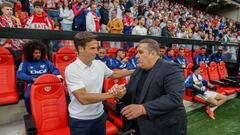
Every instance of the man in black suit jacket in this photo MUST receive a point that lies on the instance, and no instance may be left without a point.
(153, 104)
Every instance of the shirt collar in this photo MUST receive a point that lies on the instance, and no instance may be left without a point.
(82, 65)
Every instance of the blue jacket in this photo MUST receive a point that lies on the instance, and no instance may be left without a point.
(79, 22)
(201, 58)
(117, 64)
(169, 58)
(182, 61)
(27, 70)
(105, 60)
(216, 57)
(190, 81)
(133, 61)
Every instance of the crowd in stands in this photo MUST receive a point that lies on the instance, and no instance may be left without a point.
(157, 18)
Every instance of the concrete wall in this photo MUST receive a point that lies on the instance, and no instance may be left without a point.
(230, 13)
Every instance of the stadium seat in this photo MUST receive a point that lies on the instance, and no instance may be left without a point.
(62, 58)
(131, 51)
(196, 52)
(8, 92)
(176, 50)
(110, 104)
(187, 92)
(188, 55)
(111, 129)
(214, 78)
(224, 76)
(112, 52)
(49, 108)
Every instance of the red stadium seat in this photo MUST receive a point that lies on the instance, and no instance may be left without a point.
(214, 78)
(131, 51)
(110, 128)
(62, 59)
(188, 55)
(112, 52)
(108, 83)
(176, 50)
(8, 92)
(187, 92)
(48, 104)
(197, 51)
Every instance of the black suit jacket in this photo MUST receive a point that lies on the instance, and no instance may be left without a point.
(162, 97)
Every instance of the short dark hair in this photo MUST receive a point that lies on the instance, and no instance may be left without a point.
(37, 3)
(6, 4)
(121, 50)
(153, 45)
(203, 48)
(195, 67)
(169, 49)
(81, 38)
(31, 46)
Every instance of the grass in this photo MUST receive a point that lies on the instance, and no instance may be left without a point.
(227, 120)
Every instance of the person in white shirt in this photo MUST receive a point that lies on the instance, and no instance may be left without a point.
(67, 16)
(140, 29)
(84, 78)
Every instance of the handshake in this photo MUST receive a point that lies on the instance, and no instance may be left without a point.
(118, 91)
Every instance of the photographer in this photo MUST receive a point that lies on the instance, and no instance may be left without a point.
(198, 85)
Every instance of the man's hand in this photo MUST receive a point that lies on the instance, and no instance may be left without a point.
(118, 91)
(133, 111)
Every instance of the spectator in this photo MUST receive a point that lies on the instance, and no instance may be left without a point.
(140, 28)
(166, 30)
(34, 65)
(92, 20)
(170, 54)
(79, 9)
(127, 22)
(134, 10)
(117, 8)
(155, 30)
(39, 18)
(180, 59)
(67, 16)
(102, 55)
(115, 26)
(133, 61)
(149, 21)
(198, 84)
(8, 20)
(104, 17)
(52, 10)
(201, 57)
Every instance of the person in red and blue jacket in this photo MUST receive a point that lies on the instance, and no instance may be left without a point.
(34, 65)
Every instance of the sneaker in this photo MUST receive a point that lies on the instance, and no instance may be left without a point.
(210, 113)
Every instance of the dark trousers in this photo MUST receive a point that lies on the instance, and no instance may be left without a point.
(88, 127)
(27, 98)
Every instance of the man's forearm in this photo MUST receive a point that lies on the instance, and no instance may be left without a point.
(121, 73)
(91, 98)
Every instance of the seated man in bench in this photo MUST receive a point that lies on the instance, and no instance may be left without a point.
(198, 85)
(34, 65)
